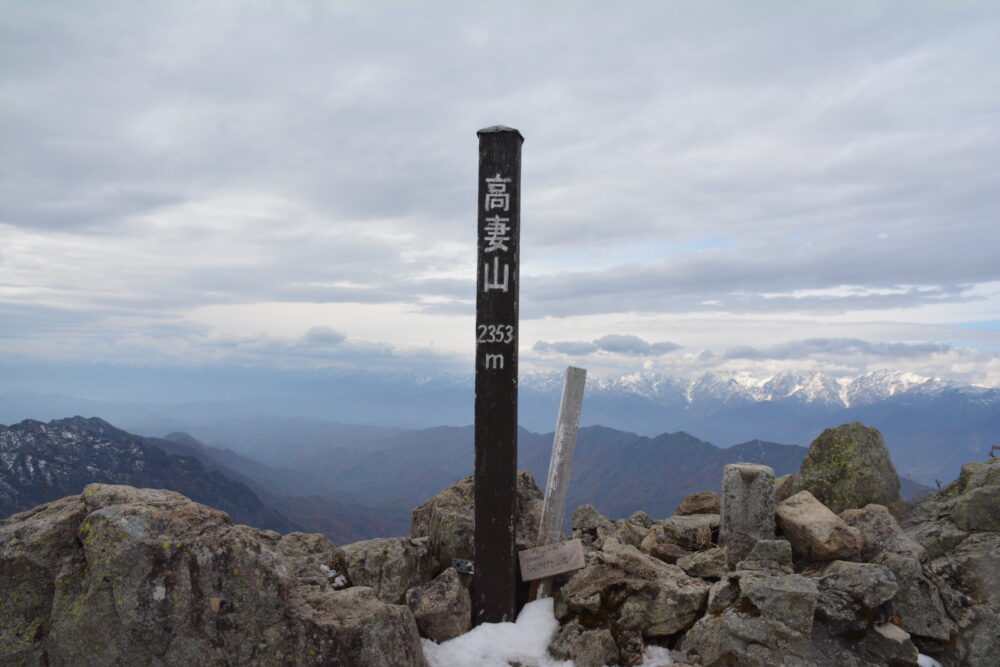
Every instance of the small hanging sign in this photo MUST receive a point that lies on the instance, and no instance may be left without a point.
(551, 559)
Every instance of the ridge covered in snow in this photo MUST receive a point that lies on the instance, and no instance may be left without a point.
(809, 387)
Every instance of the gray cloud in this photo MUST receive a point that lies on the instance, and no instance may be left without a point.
(803, 349)
(155, 163)
(324, 336)
(623, 344)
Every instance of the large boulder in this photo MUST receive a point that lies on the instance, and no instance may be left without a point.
(816, 533)
(130, 576)
(847, 467)
(448, 519)
(390, 565)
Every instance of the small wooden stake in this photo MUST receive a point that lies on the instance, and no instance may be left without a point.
(561, 465)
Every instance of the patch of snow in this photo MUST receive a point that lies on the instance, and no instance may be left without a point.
(524, 641)
(927, 661)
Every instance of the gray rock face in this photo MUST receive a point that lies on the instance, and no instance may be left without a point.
(847, 467)
(868, 584)
(136, 576)
(917, 602)
(586, 648)
(880, 533)
(390, 566)
(816, 533)
(790, 599)
(732, 638)
(957, 528)
(771, 556)
(711, 564)
(622, 587)
(448, 519)
(693, 533)
(442, 608)
(747, 508)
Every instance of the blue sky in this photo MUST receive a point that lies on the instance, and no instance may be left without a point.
(724, 186)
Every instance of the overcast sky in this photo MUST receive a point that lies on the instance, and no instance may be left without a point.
(753, 186)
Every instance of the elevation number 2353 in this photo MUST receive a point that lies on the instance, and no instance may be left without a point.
(495, 333)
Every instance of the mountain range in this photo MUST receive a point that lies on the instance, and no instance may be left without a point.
(364, 489)
(931, 426)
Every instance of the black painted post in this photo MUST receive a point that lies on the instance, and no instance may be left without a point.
(495, 580)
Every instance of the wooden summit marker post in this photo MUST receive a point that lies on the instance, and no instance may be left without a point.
(494, 581)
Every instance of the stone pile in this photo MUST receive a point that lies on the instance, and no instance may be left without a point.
(808, 570)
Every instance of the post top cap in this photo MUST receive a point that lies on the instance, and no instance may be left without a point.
(499, 128)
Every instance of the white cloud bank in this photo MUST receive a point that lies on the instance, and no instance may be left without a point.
(209, 182)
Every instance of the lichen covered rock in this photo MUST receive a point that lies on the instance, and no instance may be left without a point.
(847, 467)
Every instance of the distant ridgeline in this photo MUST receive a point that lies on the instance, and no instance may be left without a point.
(351, 493)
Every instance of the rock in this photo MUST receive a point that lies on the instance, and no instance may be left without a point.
(640, 518)
(448, 519)
(840, 614)
(586, 648)
(789, 599)
(776, 551)
(586, 519)
(665, 551)
(747, 508)
(138, 576)
(732, 638)
(390, 566)
(705, 502)
(895, 644)
(868, 584)
(978, 509)
(693, 533)
(723, 593)
(442, 608)
(314, 559)
(880, 532)
(978, 641)
(711, 564)
(770, 556)
(816, 533)
(623, 587)
(917, 602)
(847, 467)
(974, 568)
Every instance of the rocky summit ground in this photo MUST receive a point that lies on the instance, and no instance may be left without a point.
(124, 576)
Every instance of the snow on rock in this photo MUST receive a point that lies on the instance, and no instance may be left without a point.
(524, 641)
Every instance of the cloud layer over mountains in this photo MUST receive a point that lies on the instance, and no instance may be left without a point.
(740, 186)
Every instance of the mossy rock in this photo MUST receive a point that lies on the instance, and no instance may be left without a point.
(847, 467)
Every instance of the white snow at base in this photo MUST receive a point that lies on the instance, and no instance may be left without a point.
(927, 661)
(524, 641)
